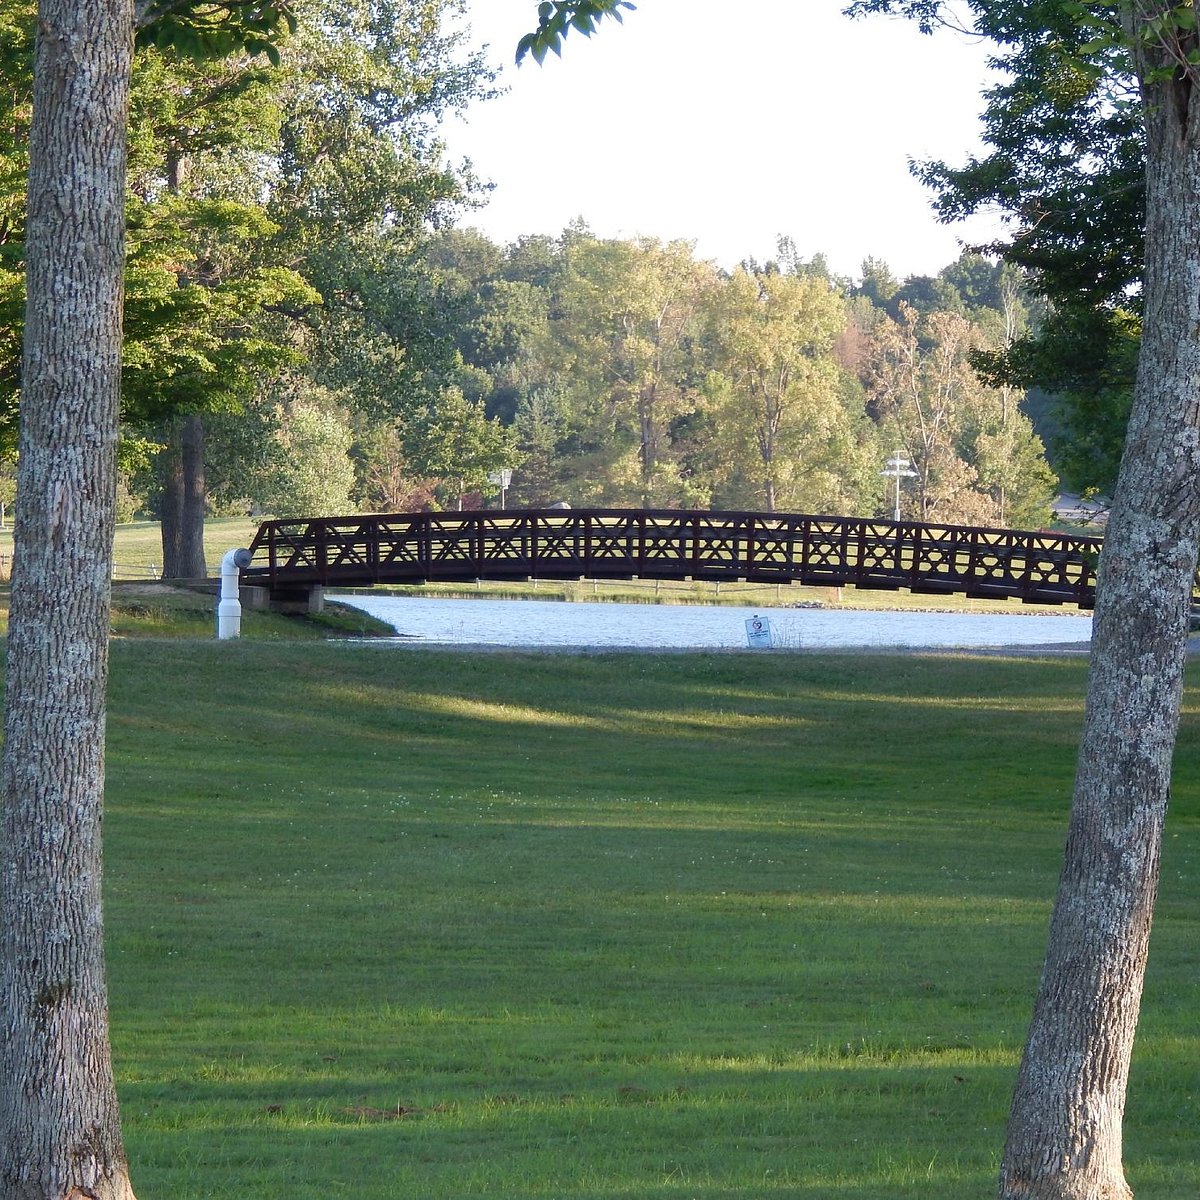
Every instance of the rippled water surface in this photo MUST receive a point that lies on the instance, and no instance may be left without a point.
(419, 619)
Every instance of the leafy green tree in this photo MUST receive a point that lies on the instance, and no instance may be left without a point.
(1065, 1128)
(60, 1131)
(626, 319)
(313, 471)
(456, 442)
(542, 421)
(493, 311)
(359, 178)
(878, 283)
(774, 398)
(924, 294)
(312, 179)
(184, 350)
(203, 335)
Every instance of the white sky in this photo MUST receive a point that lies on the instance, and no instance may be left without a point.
(727, 122)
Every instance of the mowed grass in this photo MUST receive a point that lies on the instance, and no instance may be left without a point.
(389, 923)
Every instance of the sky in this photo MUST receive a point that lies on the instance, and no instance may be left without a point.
(728, 123)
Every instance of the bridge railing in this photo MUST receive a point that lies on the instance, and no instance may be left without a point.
(1044, 568)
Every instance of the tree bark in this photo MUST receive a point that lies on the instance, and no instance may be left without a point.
(182, 506)
(1064, 1139)
(60, 1136)
(170, 511)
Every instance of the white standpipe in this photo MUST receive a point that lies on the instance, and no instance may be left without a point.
(229, 609)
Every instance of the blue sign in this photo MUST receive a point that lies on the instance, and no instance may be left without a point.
(758, 634)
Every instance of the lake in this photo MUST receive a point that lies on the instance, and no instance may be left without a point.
(420, 620)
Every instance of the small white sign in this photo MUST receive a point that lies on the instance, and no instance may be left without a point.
(758, 634)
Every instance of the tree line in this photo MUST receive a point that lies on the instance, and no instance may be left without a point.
(628, 372)
(275, 208)
(307, 332)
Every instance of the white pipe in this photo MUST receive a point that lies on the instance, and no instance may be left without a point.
(229, 610)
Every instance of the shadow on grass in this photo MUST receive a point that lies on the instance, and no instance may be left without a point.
(665, 926)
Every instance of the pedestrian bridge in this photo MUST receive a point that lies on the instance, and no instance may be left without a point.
(296, 559)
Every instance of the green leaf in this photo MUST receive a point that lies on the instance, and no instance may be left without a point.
(525, 45)
(202, 31)
(557, 17)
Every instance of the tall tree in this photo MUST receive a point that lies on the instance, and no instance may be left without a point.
(774, 396)
(275, 210)
(1065, 1128)
(198, 279)
(627, 316)
(1065, 1131)
(59, 1128)
(60, 1132)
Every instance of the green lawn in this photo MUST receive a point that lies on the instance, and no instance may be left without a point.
(137, 546)
(389, 923)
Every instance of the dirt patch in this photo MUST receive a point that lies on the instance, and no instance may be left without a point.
(148, 589)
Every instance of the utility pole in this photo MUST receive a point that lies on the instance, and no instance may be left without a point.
(898, 467)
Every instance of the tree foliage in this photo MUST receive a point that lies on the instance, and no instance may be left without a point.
(634, 374)
(556, 18)
(324, 170)
(206, 29)
(773, 394)
(1064, 164)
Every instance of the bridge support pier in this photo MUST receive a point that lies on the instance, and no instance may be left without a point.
(303, 598)
(255, 597)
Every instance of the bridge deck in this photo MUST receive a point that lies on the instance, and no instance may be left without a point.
(1037, 568)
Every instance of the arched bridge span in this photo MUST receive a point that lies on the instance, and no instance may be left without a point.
(294, 558)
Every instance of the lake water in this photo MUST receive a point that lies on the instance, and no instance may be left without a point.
(421, 620)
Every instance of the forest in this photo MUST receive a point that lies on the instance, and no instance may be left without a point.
(313, 326)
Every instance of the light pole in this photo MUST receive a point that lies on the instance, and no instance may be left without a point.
(898, 467)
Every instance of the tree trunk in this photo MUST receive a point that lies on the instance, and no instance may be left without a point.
(769, 493)
(194, 497)
(60, 1134)
(648, 430)
(182, 506)
(170, 510)
(1064, 1139)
